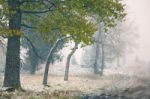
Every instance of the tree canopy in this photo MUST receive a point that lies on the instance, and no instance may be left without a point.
(64, 17)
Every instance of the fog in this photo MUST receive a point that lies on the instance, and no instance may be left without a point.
(138, 11)
(138, 18)
(117, 63)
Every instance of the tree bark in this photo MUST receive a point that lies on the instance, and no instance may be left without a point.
(12, 68)
(68, 62)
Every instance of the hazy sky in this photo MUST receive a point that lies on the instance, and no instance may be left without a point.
(139, 12)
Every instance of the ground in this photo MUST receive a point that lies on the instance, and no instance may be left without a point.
(133, 83)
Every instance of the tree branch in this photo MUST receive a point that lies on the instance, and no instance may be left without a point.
(50, 6)
(27, 26)
(30, 1)
(33, 47)
(36, 12)
(55, 46)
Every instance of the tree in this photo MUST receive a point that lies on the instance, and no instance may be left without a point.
(15, 10)
(13, 48)
(69, 28)
(113, 43)
(69, 20)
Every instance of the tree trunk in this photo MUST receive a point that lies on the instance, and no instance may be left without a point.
(45, 78)
(34, 63)
(96, 71)
(103, 60)
(12, 68)
(48, 61)
(68, 62)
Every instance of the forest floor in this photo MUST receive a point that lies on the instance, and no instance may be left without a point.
(133, 83)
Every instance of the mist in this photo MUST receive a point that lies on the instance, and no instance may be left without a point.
(101, 57)
(138, 11)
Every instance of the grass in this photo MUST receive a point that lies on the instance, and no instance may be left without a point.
(35, 95)
(114, 82)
